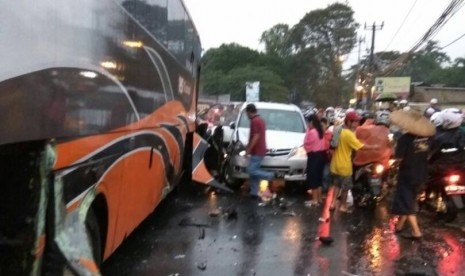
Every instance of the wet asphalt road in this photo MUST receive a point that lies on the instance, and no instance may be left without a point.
(273, 240)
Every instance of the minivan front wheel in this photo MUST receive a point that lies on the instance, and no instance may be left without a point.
(230, 181)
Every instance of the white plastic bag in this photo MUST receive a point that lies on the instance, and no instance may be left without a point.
(350, 198)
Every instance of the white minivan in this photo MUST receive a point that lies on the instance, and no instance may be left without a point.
(285, 132)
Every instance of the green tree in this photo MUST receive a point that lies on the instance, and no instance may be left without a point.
(226, 69)
(425, 63)
(324, 35)
(304, 59)
(228, 57)
(277, 41)
(452, 76)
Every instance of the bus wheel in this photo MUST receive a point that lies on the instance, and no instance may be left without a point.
(93, 231)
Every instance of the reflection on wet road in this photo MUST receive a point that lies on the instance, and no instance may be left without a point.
(280, 239)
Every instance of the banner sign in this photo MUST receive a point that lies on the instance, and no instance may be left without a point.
(252, 91)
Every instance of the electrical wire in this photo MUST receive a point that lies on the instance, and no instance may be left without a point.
(401, 25)
(450, 11)
(457, 39)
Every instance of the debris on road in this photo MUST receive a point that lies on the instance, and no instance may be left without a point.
(202, 266)
(181, 256)
(190, 222)
(215, 212)
(231, 213)
(201, 233)
(289, 214)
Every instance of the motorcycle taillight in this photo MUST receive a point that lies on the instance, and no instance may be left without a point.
(453, 178)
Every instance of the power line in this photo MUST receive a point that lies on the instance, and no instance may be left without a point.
(457, 39)
(401, 25)
(450, 11)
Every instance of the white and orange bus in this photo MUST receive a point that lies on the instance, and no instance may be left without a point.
(97, 120)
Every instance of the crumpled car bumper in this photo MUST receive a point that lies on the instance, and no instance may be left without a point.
(290, 169)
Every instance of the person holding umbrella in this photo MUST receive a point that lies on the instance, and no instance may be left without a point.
(412, 154)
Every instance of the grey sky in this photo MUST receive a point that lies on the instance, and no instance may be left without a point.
(243, 21)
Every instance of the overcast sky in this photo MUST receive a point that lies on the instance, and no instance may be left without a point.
(243, 21)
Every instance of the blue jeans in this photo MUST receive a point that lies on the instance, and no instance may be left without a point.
(256, 173)
(326, 178)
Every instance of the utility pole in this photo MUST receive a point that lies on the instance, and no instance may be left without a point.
(360, 41)
(357, 84)
(371, 67)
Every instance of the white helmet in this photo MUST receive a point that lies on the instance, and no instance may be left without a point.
(452, 118)
(382, 118)
(403, 103)
(437, 119)
(433, 101)
(430, 111)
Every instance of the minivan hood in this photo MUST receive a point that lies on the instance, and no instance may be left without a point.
(275, 139)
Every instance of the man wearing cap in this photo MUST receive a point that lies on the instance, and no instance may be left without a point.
(432, 108)
(341, 162)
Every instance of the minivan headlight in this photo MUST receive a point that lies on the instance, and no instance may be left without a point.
(299, 152)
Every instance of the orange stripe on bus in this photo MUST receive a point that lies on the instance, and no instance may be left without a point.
(201, 174)
(90, 265)
(131, 195)
(73, 206)
(70, 152)
(40, 246)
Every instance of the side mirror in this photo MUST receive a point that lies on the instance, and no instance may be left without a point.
(232, 125)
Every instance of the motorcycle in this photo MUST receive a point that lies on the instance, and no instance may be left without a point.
(444, 193)
(371, 182)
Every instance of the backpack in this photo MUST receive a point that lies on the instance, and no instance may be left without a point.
(335, 138)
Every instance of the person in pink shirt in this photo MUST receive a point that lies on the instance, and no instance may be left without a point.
(316, 158)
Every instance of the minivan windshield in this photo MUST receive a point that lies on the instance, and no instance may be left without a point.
(280, 120)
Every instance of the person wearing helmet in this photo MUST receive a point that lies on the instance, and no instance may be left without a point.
(366, 115)
(403, 103)
(432, 108)
(344, 142)
(377, 130)
(330, 113)
(382, 118)
(450, 137)
(437, 121)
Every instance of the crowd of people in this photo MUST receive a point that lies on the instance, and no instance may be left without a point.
(335, 140)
